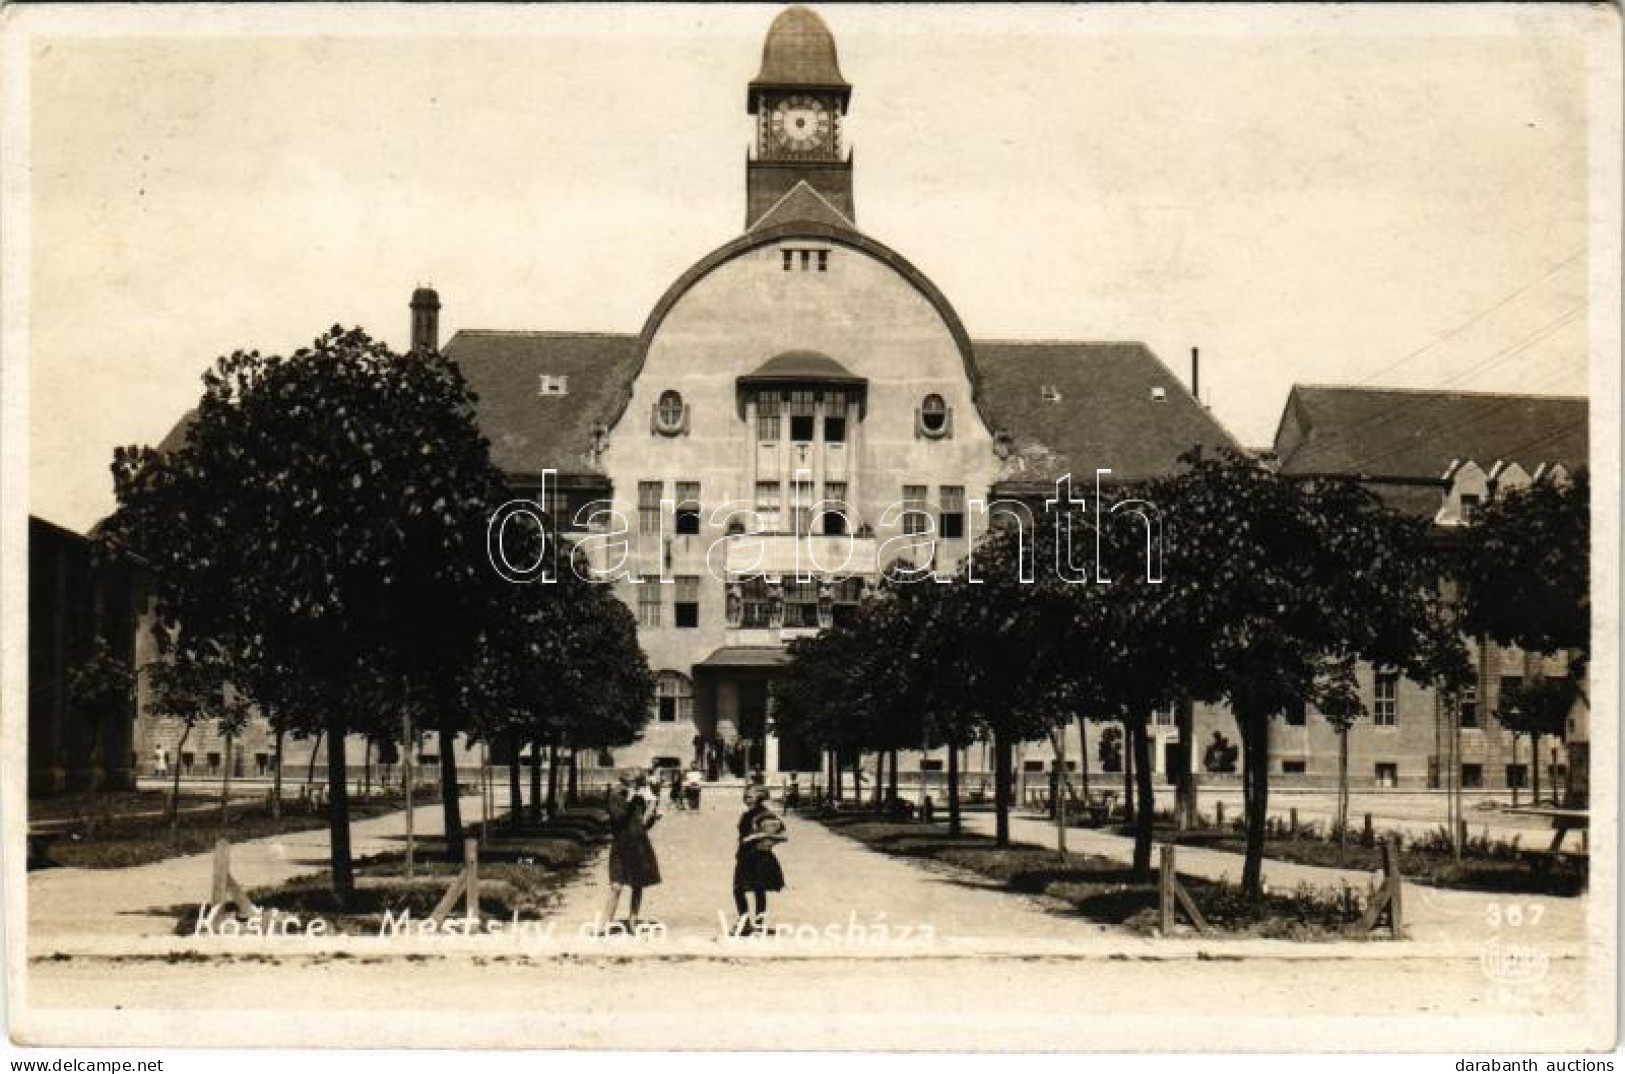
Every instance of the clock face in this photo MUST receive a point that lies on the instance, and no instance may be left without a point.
(799, 124)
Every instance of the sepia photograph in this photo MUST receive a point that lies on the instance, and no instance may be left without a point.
(859, 527)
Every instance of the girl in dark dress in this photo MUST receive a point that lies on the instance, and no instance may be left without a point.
(756, 868)
(632, 862)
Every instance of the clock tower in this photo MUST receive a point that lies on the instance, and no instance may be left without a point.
(799, 100)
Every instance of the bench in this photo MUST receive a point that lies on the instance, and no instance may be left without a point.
(1563, 821)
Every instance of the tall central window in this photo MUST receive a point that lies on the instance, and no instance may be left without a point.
(767, 505)
(1386, 705)
(835, 417)
(756, 606)
(688, 507)
(801, 505)
(800, 604)
(915, 519)
(802, 406)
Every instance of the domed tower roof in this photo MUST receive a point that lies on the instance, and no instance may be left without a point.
(799, 53)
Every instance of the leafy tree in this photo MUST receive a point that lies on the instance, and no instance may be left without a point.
(1276, 584)
(326, 517)
(99, 684)
(1524, 569)
(1535, 708)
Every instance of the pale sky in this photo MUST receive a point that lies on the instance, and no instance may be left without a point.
(1329, 202)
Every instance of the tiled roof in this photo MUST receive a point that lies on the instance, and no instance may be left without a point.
(1070, 407)
(1388, 432)
(529, 430)
(745, 656)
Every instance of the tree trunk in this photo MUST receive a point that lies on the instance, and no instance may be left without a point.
(225, 785)
(836, 789)
(1342, 793)
(1001, 788)
(857, 779)
(1255, 748)
(1083, 756)
(1185, 778)
(276, 775)
(315, 749)
(175, 791)
(516, 801)
(1534, 763)
(338, 812)
(954, 824)
(535, 783)
(1127, 753)
(451, 808)
(891, 786)
(1145, 812)
(572, 792)
(1514, 787)
(880, 779)
(552, 779)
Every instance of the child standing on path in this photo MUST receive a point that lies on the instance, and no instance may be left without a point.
(756, 867)
(632, 861)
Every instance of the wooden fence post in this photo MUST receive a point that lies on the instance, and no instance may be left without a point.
(1218, 812)
(1388, 894)
(1294, 816)
(1165, 891)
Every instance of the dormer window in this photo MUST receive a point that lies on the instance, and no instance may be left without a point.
(1159, 394)
(806, 258)
(1049, 393)
(553, 384)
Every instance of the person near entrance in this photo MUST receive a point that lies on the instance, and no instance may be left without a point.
(756, 867)
(632, 862)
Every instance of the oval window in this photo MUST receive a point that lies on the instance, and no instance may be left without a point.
(669, 411)
(934, 415)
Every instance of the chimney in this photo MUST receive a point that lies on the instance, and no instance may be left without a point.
(1196, 373)
(425, 319)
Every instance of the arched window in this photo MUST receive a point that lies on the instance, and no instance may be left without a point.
(674, 697)
(933, 415)
(671, 414)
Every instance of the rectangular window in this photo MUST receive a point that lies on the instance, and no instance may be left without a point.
(915, 519)
(262, 764)
(649, 506)
(1472, 777)
(1294, 768)
(767, 505)
(1032, 766)
(801, 503)
(1163, 717)
(688, 508)
(1385, 709)
(649, 603)
(1469, 506)
(930, 764)
(835, 417)
(214, 763)
(188, 759)
(686, 610)
(823, 260)
(833, 522)
(802, 407)
(1297, 714)
(1387, 774)
(767, 417)
(789, 259)
(953, 511)
(1467, 706)
(756, 605)
(1518, 776)
(800, 603)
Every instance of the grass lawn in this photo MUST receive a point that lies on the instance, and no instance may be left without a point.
(522, 869)
(1493, 865)
(111, 838)
(1101, 889)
